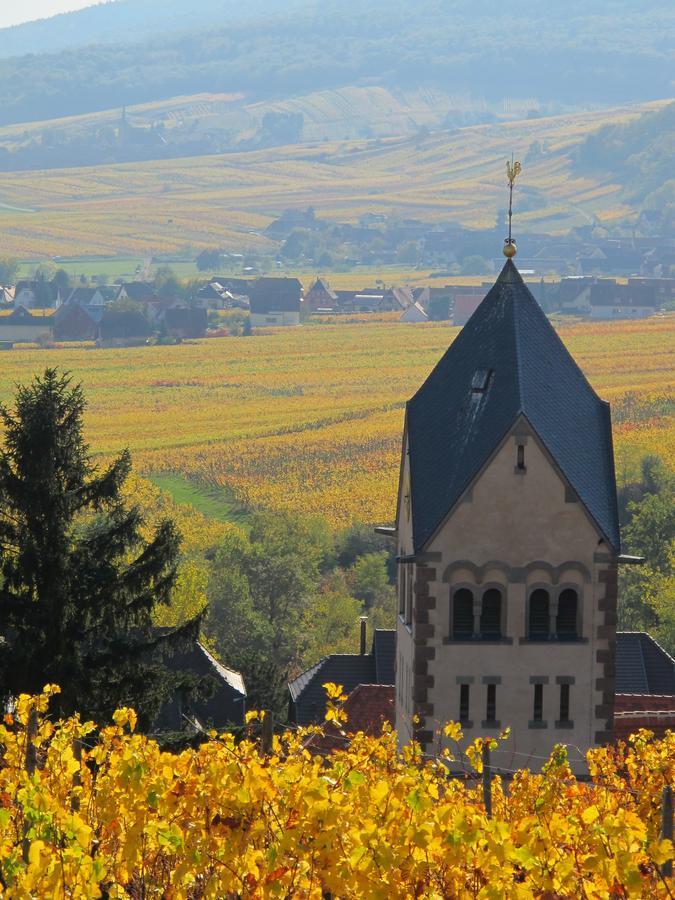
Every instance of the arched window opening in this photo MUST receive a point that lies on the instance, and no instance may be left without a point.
(462, 614)
(566, 620)
(491, 614)
(538, 625)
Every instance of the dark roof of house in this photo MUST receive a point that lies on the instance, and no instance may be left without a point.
(191, 321)
(348, 669)
(224, 706)
(642, 666)
(608, 293)
(275, 295)
(139, 290)
(83, 295)
(123, 324)
(453, 429)
(22, 316)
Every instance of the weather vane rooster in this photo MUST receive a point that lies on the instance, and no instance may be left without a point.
(513, 170)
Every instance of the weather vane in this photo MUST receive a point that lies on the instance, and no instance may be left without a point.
(513, 170)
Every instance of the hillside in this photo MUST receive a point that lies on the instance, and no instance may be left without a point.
(641, 154)
(226, 201)
(596, 52)
(310, 418)
(203, 124)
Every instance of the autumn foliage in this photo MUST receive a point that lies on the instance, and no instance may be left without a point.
(225, 820)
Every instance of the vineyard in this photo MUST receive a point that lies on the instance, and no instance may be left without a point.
(227, 200)
(310, 419)
(108, 814)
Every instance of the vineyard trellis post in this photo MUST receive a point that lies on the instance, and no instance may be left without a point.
(267, 733)
(487, 780)
(667, 827)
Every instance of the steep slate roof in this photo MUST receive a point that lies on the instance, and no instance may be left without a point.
(308, 697)
(453, 430)
(225, 705)
(275, 295)
(642, 666)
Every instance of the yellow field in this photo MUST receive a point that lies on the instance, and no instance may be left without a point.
(226, 201)
(311, 418)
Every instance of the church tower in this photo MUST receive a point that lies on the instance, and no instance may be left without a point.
(508, 540)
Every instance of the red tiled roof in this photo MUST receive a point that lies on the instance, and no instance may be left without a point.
(644, 702)
(368, 707)
(656, 712)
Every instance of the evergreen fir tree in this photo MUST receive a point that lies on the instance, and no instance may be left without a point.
(78, 581)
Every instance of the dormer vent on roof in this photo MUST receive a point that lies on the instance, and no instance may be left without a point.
(481, 381)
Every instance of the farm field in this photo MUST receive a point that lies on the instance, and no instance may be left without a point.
(141, 209)
(310, 418)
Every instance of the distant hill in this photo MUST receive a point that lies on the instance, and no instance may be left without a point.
(555, 55)
(118, 21)
(227, 201)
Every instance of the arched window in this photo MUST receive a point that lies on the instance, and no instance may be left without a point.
(491, 614)
(462, 614)
(566, 620)
(538, 625)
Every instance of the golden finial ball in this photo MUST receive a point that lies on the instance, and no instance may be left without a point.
(509, 249)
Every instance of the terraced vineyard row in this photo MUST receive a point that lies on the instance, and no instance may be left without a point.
(310, 418)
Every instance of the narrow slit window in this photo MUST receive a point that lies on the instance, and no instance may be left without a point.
(401, 589)
(408, 594)
(491, 706)
(538, 712)
(520, 458)
(464, 703)
(564, 702)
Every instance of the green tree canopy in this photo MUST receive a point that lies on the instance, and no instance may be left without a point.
(9, 269)
(79, 582)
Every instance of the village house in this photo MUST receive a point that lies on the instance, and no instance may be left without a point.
(183, 323)
(275, 301)
(320, 297)
(307, 696)
(23, 326)
(222, 705)
(123, 328)
(213, 296)
(138, 291)
(609, 300)
(508, 540)
(36, 293)
(74, 322)
(414, 313)
(87, 296)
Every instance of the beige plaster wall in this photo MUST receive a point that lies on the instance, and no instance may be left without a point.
(514, 530)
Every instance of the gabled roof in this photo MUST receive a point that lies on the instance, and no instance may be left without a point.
(453, 429)
(276, 295)
(642, 666)
(348, 669)
(83, 295)
(139, 290)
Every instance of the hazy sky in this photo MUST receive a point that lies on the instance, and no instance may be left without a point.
(12, 14)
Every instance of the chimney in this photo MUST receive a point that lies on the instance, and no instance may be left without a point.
(364, 619)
